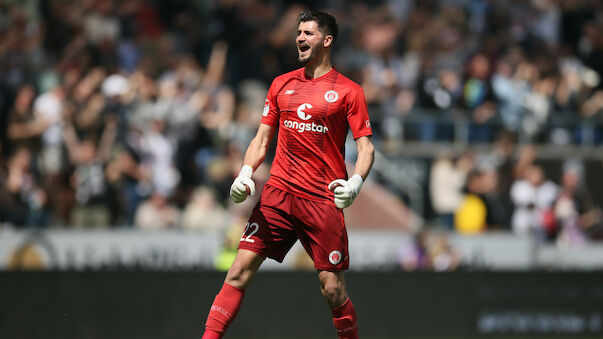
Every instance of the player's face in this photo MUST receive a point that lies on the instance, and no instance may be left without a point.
(310, 41)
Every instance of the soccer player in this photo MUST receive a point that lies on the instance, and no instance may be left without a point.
(313, 107)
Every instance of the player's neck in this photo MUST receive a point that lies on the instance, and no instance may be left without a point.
(319, 68)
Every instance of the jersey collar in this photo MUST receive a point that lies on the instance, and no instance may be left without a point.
(306, 77)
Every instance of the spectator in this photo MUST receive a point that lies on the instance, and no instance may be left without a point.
(430, 252)
(471, 217)
(444, 256)
(101, 26)
(510, 86)
(49, 108)
(479, 98)
(131, 180)
(533, 197)
(440, 92)
(159, 157)
(24, 128)
(574, 210)
(143, 102)
(88, 178)
(157, 213)
(501, 158)
(22, 201)
(538, 106)
(416, 258)
(447, 179)
(88, 104)
(203, 212)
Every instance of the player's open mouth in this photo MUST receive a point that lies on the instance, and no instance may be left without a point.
(303, 48)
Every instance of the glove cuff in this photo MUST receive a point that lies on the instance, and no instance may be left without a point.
(246, 171)
(357, 181)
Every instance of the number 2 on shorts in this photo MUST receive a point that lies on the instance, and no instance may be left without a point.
(255, 227)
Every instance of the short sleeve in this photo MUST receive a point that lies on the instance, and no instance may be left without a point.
(270, 114)
(357, 114)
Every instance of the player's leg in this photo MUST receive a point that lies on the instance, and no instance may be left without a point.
(228, 301)
(321, 230)
(269, 234)
(243, 269)
(332, 286)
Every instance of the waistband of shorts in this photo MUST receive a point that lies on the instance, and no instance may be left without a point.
(275, 183)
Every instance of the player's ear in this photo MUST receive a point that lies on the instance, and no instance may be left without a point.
(328, 41)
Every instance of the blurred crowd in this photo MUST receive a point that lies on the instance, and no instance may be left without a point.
(508, 188)
(530, 67)
(136, 112)
(117, 113)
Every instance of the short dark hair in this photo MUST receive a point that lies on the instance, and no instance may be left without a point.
(326, 22)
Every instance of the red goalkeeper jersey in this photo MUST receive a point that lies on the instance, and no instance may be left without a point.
(313, 116)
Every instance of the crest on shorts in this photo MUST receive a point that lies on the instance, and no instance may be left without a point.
(331, 96)
(335, 257)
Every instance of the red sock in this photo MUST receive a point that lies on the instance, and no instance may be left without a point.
(344, 319)
(209, 334)
(223, 311)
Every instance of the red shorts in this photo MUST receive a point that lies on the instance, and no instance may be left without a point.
(280, 218)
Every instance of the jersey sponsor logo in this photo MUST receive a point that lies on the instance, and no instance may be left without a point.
(331, 96)
(290, 91)
(335, 257)
(266, 108)
(301, 126)
(300, 111)
(305, 126)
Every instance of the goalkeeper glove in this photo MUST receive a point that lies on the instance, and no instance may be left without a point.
(346, 190)
(243, 185)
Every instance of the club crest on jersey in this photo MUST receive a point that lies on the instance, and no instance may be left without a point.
(335, 257)
(266, 108)
(300, 111)
(331, 96)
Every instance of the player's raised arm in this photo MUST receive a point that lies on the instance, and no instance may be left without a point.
(346, 191)
(243, 185)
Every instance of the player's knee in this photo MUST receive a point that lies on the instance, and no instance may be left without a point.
(243, 269)
(237, 276)
(240, 274)
(333, 292)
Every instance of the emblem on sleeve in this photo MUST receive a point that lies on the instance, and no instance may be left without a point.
(335, 257)
(331, 96)
(266, 108)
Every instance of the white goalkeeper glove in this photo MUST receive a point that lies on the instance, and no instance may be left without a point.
(243, 185)
(346, 190)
